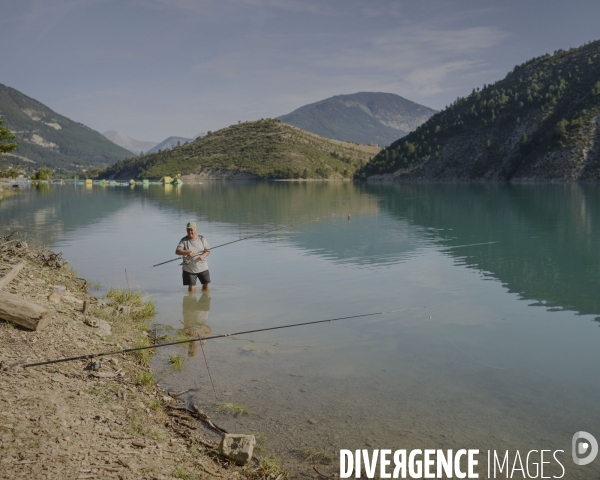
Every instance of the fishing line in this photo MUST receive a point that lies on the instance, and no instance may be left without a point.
(474, 359)
(224, 335)
(469, 245)
(240, 239)
(208, 369)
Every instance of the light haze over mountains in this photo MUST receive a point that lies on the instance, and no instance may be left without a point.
(365, 117)
(122, 140)
(185, 66)
(172, 142)
(139, 146)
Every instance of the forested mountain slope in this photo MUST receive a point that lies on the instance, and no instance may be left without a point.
(47, 139)
(541, 122)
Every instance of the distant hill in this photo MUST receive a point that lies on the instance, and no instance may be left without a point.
(170, 143)
(122, 140)
(541, 122)
(365, 117)
(49, 139)
(262, 149)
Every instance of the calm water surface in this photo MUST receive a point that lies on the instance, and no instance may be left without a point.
(495, 346)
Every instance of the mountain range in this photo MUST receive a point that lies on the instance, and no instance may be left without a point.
(267, 149)
(364, 117)
(139, 147)
(541, 122)
(172, 142)
(47, 138)
(131, 144)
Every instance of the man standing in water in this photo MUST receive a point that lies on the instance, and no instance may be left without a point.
(194, 249)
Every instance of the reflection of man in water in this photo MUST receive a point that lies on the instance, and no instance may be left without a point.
(195, 316)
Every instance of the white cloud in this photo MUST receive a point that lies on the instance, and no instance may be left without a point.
(202, 64)
(413, 61)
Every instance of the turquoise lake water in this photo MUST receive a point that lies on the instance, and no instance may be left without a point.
(495, 346)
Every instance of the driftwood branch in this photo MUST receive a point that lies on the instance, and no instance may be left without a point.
(200, 415)
(10, 275)
(175, 395)
(206, 419)
(22, 312)
(51, 259)
(7, 237)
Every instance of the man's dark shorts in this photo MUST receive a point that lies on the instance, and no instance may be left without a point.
(190, 278)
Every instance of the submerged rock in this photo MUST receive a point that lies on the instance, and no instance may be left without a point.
(253, 351)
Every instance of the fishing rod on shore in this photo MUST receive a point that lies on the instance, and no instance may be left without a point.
(238, 240)
(200, 339)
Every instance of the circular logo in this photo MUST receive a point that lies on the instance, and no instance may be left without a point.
(584, 444)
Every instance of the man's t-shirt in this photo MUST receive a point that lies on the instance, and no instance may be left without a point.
(197, 246)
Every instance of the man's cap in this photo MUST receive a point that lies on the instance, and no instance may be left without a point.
(191, 225)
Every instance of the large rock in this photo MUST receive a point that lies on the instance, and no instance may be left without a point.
(238, 448)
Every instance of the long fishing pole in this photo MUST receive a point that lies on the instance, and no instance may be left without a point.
(240, 239)
(198, 339)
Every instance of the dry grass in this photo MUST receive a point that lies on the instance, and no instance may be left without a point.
(270, 467)
(314, 455)
(142, 308)
(146, 379)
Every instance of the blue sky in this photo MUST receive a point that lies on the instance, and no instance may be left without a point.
(155, 68)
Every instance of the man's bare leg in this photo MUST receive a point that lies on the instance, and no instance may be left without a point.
(206, 286)
(191, 288)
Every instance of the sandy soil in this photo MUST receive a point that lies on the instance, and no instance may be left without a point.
(66, 421)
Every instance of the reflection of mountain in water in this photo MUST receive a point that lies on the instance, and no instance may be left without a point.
(548, 236)
(362, 241)
(46, 212)
(260, 203)
(325, 206)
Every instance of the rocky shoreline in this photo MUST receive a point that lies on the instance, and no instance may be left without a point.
(83, 419)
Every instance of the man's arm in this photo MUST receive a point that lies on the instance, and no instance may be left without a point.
(206, 251)
(182, 251)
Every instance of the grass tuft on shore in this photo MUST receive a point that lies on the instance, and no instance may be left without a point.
(147, 379)
(234, 409)
(315, 455)
(269, 467)
(176, 362)
(142, 308)
(181, 472)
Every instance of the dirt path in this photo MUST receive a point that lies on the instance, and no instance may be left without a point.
(64, 421)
